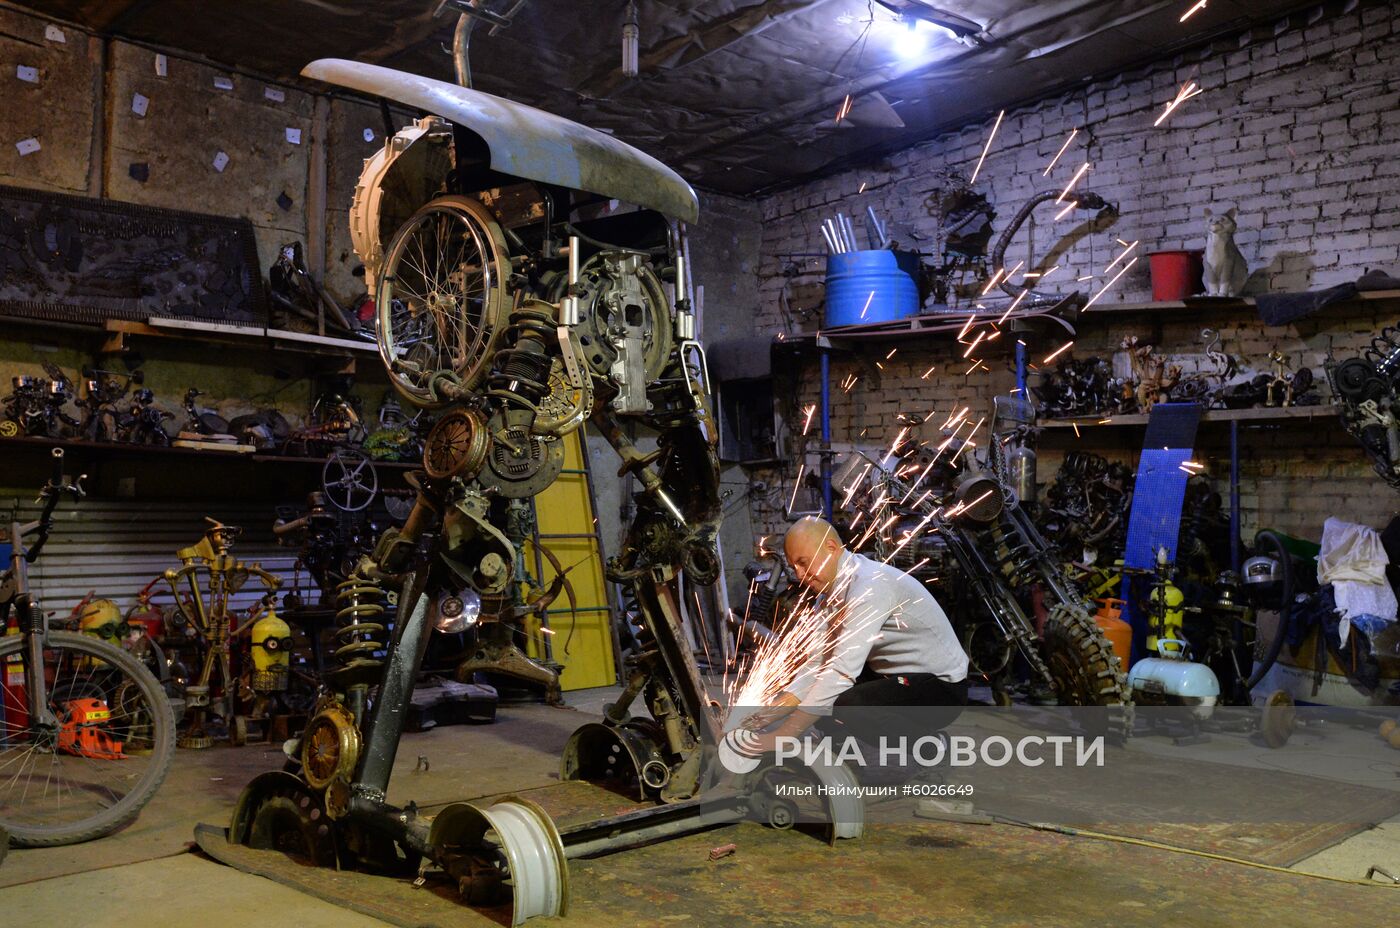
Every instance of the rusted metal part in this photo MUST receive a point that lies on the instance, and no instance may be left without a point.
(526, 142)
(724, 850)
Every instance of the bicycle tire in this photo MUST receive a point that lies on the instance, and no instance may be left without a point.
(162, 746)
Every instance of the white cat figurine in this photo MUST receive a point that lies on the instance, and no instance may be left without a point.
(1225, 270)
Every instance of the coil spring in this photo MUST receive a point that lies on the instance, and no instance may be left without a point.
(520, 376)
(360, 603)
(1384, 353)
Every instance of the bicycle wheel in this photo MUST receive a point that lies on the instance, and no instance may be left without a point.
(110, 750)
(442, 298)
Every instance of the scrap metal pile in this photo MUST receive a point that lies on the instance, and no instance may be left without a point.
(1137, 377)
(1367, 390)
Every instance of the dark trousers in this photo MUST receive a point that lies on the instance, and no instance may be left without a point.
(911, 705)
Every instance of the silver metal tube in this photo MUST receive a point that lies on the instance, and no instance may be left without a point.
(461, 47)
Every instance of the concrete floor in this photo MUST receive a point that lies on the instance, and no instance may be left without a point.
(147, 868)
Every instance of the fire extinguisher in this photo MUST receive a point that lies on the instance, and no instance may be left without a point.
(14, 703)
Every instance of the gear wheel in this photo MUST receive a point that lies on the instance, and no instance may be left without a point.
(1085, 669)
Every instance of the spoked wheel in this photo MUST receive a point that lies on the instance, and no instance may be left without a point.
(103, 760)
(441, 300)
(349, 479)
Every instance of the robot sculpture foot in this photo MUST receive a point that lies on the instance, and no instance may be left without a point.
(505, 658)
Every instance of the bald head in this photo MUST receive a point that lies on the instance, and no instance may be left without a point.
(814, 550)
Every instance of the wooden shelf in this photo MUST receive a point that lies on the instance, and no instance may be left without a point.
(1322, 411)
(114, 333)
(938, 323)
(122, 449)
(1226, 304)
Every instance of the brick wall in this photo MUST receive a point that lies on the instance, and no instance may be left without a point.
(1298, 128)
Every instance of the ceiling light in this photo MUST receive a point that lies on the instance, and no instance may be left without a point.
(910, 41)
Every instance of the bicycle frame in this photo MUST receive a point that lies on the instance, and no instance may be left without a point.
(14, 594)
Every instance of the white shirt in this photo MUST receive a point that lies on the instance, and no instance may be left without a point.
(888, 621)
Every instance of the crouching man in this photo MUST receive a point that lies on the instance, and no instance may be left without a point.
(887, 646)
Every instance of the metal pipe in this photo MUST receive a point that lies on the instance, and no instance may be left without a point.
(405, 656)
(461, 46)
(826, 434)
(1235, 496)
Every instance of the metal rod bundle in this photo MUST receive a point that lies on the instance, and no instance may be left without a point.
(840, 233)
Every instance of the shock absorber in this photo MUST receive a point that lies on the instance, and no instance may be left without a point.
(360, 638)
(520, 376)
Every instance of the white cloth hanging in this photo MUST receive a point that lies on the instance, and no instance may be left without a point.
(1353, 560)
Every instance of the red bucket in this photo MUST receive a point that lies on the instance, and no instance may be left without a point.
(1176, 274)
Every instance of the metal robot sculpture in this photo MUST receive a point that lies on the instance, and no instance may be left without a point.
(207, 611)
(517, 299)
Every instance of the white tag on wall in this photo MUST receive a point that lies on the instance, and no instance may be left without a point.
(369, 135)
(27, 146)
(294, 135)
(275, 95)
(55, 34)
(25, 73)
(223, 83)
(162, 66)
(220, 162)
(139, 104)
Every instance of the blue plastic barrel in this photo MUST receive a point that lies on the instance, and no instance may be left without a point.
(871, 286)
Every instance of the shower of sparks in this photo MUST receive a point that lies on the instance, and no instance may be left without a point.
(993, 282)
(891, 354)
(807, 423)
(927, 372)
(986, 148)
(1200, 5)
(1105, 288)
(1123, 254)
(1075, 425)
(973, 367)
(1057, 352)
(1084, 278)
(1072, 181)
(1059, 154)
(845, 109)
(1069, 208)
(967, 325)
(1049, 272)
(1185, 93)
(862, 187)
(1191, 468)
(866, 307)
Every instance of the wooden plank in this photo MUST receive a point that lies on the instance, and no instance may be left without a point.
(1275, 414)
